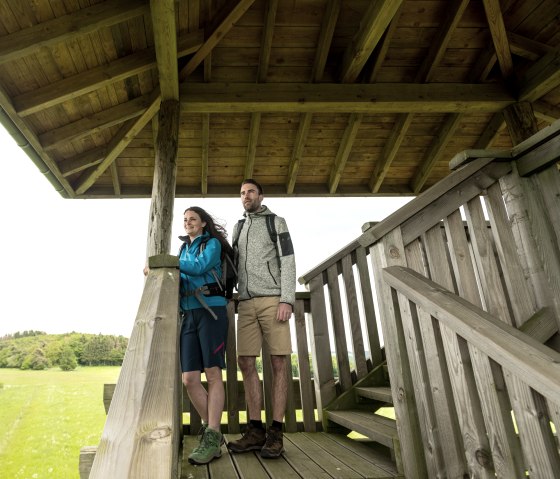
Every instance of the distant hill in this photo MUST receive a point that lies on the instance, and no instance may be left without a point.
(38, 350)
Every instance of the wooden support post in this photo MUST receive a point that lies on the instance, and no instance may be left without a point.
(165, 172)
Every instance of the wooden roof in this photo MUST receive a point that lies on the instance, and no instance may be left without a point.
(311, 97)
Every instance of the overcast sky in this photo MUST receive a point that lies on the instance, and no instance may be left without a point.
(76, 265)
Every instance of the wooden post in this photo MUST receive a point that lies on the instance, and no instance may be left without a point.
(165, 172)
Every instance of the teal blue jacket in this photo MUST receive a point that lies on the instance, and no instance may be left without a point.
(196, 270)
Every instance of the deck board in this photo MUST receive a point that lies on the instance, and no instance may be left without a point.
(308, 455)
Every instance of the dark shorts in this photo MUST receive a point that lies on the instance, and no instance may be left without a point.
(203, 339)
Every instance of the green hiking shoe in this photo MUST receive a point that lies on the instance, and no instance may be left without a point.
(209, 448)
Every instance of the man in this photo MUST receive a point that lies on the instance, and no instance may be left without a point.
(267, 290)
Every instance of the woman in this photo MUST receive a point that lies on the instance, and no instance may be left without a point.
(205, 325)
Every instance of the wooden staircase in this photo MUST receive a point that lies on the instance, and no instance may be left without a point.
(363, 409)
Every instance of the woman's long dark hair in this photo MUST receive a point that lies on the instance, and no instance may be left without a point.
(214, 229)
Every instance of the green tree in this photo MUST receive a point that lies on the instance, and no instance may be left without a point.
(67, 359)
(35, 360)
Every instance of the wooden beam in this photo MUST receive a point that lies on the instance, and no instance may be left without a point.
(344, 150)
(96, 78)
(95, 123)
(454, 11)
(527, 48)
(236, 9)
(119, 143)
(521, 121)
(69, 27)
(545, 111)
(297, 151)
(205, 147)
(435, 152)
(115, 178)
(165, 174)
(325, 39)
(390, 150)
(374, 22)
(499, 36)
(252, 144)
(345, 98)
(271, 8)
(490, 133)
(83, 161)
(165, 42)
(540, 78)
(383, 46)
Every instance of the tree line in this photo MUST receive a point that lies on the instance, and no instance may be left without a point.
(38, 350)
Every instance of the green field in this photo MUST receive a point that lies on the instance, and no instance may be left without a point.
(47, 416)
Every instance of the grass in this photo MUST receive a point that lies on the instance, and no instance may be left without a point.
(47, 416)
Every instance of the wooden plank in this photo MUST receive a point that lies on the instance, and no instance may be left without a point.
(387, 252)
(344, 150)
(422, 388)
(306, 390)
(492, 288)
(325, 390)
(358, 463)
(316, 457)
(232, 386)
(247, 465)
(519, 293)
(354, 317)
(471, 369)
(290, 422)
(339, 333)
(369, 308)
(87, 455)
(445, 356)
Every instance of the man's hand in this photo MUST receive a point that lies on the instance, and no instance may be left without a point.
(284, 312)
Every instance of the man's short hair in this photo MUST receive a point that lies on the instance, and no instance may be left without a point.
(253, 182)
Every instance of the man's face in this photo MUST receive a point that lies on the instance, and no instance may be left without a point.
(250, 197)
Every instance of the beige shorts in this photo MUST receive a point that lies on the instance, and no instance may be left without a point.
(256, 319)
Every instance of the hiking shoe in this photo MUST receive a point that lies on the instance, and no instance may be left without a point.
(209, 448)
(274, 445)
(253, 440)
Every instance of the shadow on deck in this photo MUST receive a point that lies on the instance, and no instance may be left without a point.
(307, 455)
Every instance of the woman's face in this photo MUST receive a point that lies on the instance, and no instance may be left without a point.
(194, 226)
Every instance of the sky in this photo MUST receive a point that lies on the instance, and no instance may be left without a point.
(76, 265)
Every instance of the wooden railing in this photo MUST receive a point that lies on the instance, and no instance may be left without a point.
(451, 344)
(489, 233)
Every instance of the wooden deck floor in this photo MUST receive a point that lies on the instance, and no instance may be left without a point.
(308, 456)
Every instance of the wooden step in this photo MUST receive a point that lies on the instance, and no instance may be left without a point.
(379, 393)
(378, 428)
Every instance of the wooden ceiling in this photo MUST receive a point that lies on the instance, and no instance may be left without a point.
(311, 97)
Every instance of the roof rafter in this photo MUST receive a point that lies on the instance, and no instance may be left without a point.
(424, 74)
(120, 141)
(435, 152)
(205, 146)
(235, 10)
(344, 150)
(91, 80)
(65, 28)
(499, 36)
(378, 16)
(541, 77)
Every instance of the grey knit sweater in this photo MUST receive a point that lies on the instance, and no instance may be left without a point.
(265, 269)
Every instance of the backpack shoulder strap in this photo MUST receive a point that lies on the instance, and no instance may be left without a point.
(271, 227)
(237, 232)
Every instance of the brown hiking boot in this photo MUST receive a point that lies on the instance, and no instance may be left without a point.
(274, 445)
(253, 440)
